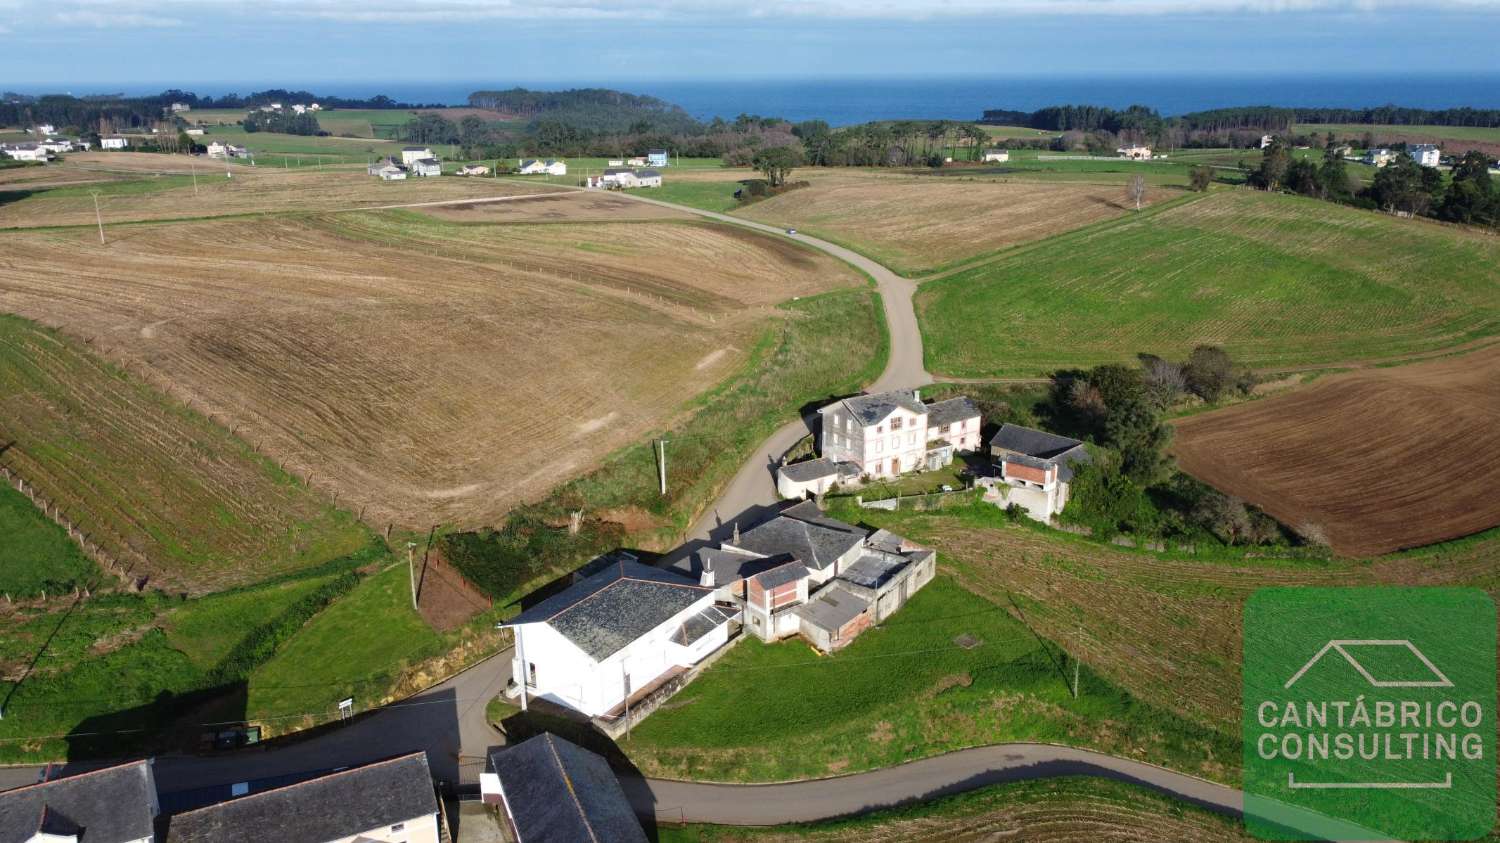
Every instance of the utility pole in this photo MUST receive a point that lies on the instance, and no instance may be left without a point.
(411, 571)
(98, 218)
(194, 165)
(525, 671)
(661, 463)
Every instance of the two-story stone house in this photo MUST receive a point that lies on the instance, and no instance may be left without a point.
(891, 433)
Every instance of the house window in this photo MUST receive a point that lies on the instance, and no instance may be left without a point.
(911, 438)
(878, 445)
(532, 678)
(895, 443)
(879, 429)
(896, 423)
(398, 827)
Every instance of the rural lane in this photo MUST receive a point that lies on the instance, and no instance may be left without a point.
(448, 720)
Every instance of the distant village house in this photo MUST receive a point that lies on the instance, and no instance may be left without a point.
(114, 142)
(1036, 468)
(537, 166)
(996, 155)
(1135, 153)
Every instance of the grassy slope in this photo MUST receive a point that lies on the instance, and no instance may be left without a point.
(1277, 280)
(36, 555)
(151, 481)
(769, 712)
(1063, 809)
(356, 647)
(1358, 130)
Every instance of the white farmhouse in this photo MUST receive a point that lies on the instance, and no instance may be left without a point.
(180, 107)
(45, 129)
(1426, 154)
(619, 633)
(114, 142)
(537, 166)
(1379, 157)
(411, 154)
(220, 149)
(997, 155)
(56, 145)
(25, 151)
(426, 167)
(892, 433)
(1135, 153)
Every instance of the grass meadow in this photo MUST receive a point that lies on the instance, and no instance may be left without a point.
(1279, 281)
(37, 556)
(903, 690)
(1482, 134)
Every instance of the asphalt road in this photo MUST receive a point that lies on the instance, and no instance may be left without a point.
(448, 720)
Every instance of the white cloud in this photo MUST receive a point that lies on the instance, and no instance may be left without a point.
(113, 19)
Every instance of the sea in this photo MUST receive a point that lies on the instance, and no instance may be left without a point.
(844, 102)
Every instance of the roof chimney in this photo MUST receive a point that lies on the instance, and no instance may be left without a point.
(917, 394)
(707, 578)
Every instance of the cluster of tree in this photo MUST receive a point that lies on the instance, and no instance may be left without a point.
(1394, 115)
(902, 143)
(284, 122)
(590, 110)
(1131, 484)
(257, 99)
(1468, 196)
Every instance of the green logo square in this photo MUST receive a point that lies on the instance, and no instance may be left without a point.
(1369, 713)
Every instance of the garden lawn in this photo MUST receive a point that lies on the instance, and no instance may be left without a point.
(904, 690)
(1278, 281)
(36, 555)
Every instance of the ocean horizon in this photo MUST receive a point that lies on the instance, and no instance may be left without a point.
(850, 101)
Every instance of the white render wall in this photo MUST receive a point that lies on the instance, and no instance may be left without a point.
(901, 436)
(568, 676)
(414, 830)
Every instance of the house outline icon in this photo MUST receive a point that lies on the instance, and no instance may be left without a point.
(1339, 646)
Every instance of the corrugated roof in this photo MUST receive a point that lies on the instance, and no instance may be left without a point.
(558, 792)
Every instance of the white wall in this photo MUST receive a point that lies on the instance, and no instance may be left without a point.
(414, 830)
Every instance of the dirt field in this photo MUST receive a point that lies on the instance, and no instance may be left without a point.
(166, 494)
(1376, 460)
(420, 372)
(916, 223)
(138, 186)
(570, 206)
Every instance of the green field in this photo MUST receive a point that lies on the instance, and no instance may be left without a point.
(277, 150)
(36, 555)
(709, 195)
(1015, 132)
(1277, 280)
(1058, 810)
(1443, 133)
(903, 690)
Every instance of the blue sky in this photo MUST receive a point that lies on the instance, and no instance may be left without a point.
(216, 45)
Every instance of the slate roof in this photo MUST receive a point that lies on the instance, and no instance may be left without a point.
(944, 413)
(331, 807)
(874, 568)
(810, 512)
(415, 149)
(789, 571)
(832, 608)
(112, 805)
(615, 171)
(872, 409)
(432, 161)
(699, 625)
(607, 611)
(558, 792)
(1032, 442)
(801, 472)
(813, 544)
(648, 174)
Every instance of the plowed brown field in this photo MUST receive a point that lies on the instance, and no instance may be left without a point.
(1374, 461)
(134, 187)
(421, 372)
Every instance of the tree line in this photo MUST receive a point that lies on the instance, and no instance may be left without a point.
(1139, 118)
(1468, 196)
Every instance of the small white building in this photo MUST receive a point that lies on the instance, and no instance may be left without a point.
(618, 633)
(615, 162)
(996, 155)
(180, 107)
(25, 151)
(426, 168)
(1266, 140)
(194, 132)
(624, 178)
(222, 150)
(299, 109)
(1379, 157)
(56, 145)
(411, 154)
(540, 167)
(314, 107)
(473, 170)
(1426, 154)
(114, 142)
(637, 161)
(1036, 468)
(44, 129)
(1135, 153)
(657, 158)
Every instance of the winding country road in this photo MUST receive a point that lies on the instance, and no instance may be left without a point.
(448, 720)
